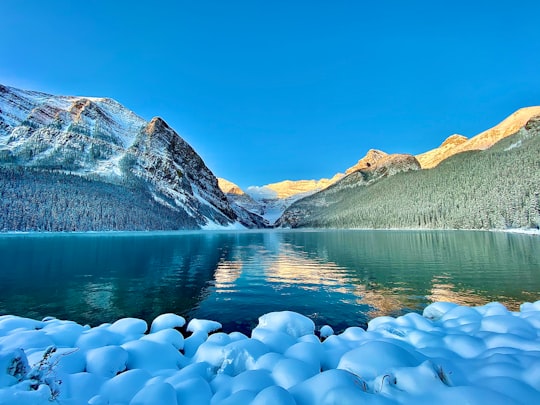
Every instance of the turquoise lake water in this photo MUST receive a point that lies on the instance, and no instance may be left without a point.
(340, 278)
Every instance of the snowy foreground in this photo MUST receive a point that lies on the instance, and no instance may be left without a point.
(450, 355)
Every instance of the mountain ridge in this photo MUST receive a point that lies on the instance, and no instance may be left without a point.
(494, 188)
(100, 140)
(451, 145)
(96, 149)
(484, 140)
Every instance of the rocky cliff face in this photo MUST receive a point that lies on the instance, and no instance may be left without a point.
(99, 139)
(243, 204)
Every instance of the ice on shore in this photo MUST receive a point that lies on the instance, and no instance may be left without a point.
(450, 354)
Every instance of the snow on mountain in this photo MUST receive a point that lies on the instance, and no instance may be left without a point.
(375, 166)
(260, 193)
(289, 188)
(302, 188)
(99, 139)
(458, 143)
(272, 200)
(229, 187)
(495, 188)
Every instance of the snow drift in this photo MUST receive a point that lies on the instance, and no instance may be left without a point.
(450, 354)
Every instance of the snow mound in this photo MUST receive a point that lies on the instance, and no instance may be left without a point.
(203, 325)
(450, 354)
(290, 323)
(326, 331)
(167, 321)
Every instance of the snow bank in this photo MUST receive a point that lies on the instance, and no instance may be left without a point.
(449, 354)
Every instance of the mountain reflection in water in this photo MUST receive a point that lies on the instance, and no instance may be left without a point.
(340, 278)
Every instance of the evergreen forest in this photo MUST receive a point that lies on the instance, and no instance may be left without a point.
(497, 188)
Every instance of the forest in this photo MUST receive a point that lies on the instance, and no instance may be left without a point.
(41, 200)
(497, 188)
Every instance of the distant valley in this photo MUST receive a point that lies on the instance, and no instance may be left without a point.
(84, 163)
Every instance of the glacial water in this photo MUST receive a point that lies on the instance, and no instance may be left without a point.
(340, 278)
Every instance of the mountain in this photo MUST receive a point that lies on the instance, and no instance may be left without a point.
(371, 159)
(302, 188)
(271, 200)
(85, 163)
(458, 143)
(289, 188)
(229, 187)
(243, 201)
(293, 190)
(376, 165)
(135, 174)
(494, 188)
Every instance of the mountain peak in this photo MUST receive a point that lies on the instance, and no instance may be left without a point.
(228, 187)
(484, 140)
(110, 146)
(455, 139)
(371, 158)
(157, 124)
(289, 188)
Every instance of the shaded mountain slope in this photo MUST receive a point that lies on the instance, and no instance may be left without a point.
(100, 140)
(495, 188)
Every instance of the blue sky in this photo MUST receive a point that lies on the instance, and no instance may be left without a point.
(274, 90)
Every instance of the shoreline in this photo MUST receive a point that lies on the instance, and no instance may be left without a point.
(521, 231)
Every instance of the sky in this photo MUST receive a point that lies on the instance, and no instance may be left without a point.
(273, 90)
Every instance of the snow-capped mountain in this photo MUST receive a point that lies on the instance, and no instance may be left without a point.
(374, 167)
(237, 196)
(458, 143)
(100, 140)
(86, 163)
(271, 200)
(274, 199)
(497, 187)
(290, 188)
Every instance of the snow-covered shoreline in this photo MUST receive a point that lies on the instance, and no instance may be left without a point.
(448, 355)
(240, 228)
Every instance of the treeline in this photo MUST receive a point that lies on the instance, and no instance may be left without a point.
(495, 188)
(40, 200)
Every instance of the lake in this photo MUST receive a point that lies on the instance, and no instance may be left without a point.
(341, 278)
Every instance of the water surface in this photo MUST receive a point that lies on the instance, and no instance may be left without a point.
(341, 278)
